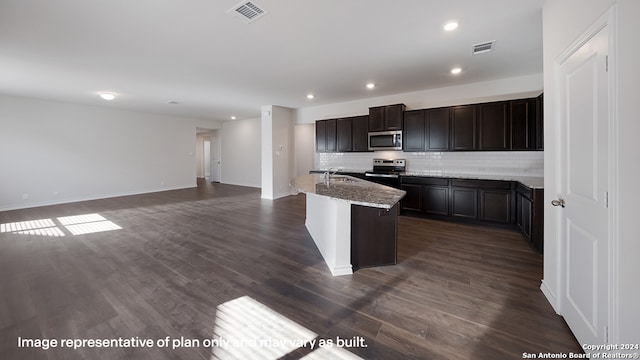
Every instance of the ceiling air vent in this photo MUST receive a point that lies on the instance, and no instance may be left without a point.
(247, 11)
(483, 47)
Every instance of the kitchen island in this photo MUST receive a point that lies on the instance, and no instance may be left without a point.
(353, 222)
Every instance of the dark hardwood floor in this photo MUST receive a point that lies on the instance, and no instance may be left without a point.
(458, 292)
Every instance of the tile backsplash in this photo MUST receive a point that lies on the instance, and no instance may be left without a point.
(513, 163)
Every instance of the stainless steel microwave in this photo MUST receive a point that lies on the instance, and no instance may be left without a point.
(385, 140)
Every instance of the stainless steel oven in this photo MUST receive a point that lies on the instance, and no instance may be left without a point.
(385, 140)
(386, 172)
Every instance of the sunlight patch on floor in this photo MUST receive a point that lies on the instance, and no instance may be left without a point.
(76, 225)
(247, 329)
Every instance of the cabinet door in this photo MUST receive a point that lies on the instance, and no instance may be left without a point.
(413, 199)
(331, 135)
(393, 115)
(374, 234)
(413, 132)
(376, 118)
(321, 136)
(344, 135)
(464, 202)
(495, 206)
(437, 130)
(522, 125)
(360, 126)
(526, 217)
(435, 200)
(493, 126)
(463, 128)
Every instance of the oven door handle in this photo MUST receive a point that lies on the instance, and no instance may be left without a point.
(383, 175)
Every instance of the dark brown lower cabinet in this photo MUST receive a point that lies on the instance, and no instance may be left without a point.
(413, 199)
(530, 215)
(425, 194)
(495, 206)
(494, 202)
(436, 200)
(374, 236)
(464, 202)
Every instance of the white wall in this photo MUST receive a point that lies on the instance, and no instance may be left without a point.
(563, 22)
(502, 89)
(305, 148)
(241, 152)
(55, 152)
(277, 151)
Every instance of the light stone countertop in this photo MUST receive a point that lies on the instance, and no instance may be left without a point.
(353, 190)
(532, 182)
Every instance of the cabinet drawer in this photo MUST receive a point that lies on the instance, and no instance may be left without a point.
(483, 184)
(424, 180)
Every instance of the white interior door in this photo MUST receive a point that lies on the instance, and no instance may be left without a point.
(583, 188)
(206, 152)
(216, 162)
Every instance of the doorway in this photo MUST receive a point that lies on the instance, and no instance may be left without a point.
(216, 160)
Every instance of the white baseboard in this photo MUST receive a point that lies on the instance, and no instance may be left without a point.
(87, 198)
(551, 297)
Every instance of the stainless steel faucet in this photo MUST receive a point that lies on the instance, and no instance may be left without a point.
(328, 174)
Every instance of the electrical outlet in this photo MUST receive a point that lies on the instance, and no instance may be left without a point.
(25, 196)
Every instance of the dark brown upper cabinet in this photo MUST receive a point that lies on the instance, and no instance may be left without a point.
(437, 129)
(426, 130)
(387, 117)
(344, 135)
(494, 126)
(360, 128)
(523, 124)
(414, 131)
(463, 128)
(539, 123)
(321, 136)
(326, 135)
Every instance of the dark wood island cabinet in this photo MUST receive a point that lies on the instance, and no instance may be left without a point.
(374, 234)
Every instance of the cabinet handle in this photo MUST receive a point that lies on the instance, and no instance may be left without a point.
(384, 212)
(558, 202)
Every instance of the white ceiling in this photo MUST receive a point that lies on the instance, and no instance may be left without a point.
(150, 52)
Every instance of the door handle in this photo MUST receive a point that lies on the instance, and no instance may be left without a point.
(558, 202)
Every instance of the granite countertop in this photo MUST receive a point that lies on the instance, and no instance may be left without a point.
(532, 182)
(353, 190)
(340, 171)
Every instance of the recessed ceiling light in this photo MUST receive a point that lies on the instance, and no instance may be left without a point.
(233, 118)
(173, 102)
(456, 70)
(371, 85)
(310, 96)
(107, 96)
(451, 25)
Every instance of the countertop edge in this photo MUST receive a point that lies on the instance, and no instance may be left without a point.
(308, 184)
(532, 182)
